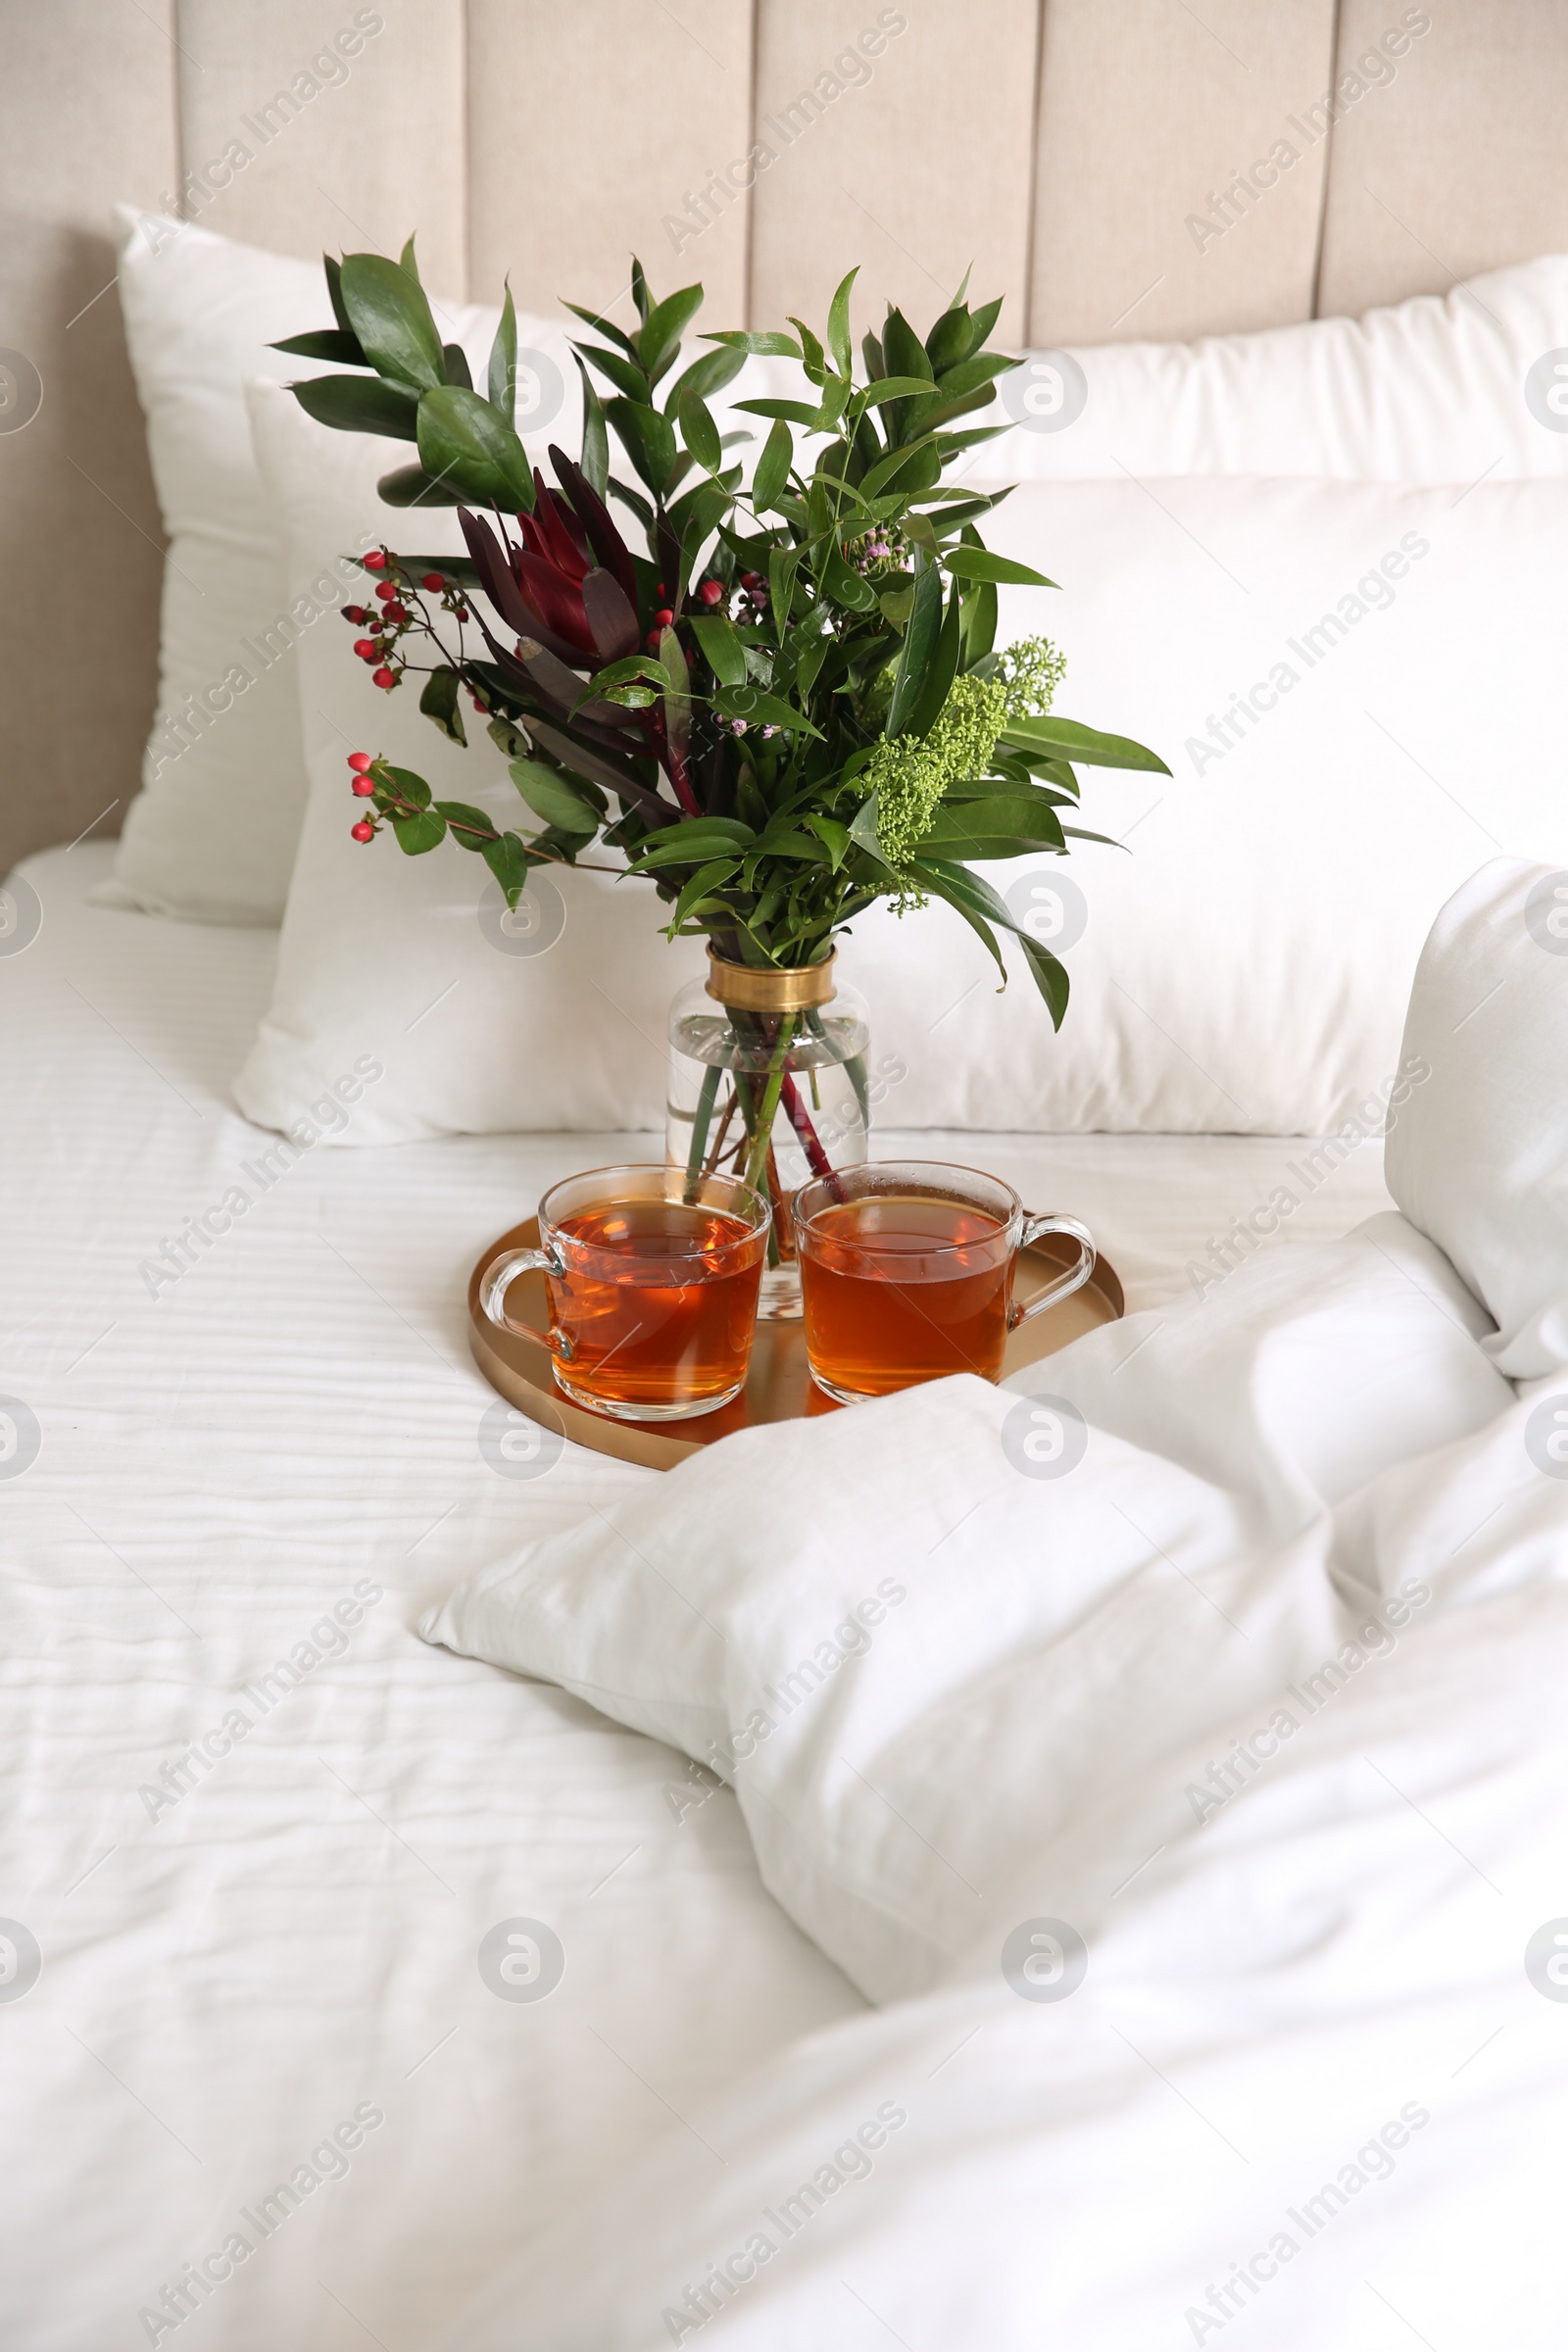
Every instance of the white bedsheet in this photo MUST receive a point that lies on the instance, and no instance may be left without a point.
(227, 1978)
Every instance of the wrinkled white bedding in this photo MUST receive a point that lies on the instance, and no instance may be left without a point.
(1176, 1754)
(223, 1460)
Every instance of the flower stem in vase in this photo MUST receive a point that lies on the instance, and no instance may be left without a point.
(769, 1111)
(701, 1121)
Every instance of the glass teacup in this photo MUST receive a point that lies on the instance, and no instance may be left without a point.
(652, 1279)
(907, 1272)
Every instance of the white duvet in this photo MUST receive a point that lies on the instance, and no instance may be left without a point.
(1175, 1755)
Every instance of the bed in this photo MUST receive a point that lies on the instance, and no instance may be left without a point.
(268, 1853)
(230, 1972)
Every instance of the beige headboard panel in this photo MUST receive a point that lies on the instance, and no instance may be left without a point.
(1083, 154)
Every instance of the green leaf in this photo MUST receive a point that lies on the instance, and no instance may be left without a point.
(602, 327)
(730, 830)
(649, 440)
(658, 338)
(639, 290)
(771, 344)
(782, 565)
(412, 486)
(508, 860)
(979, 564)
(1003, 826)
(903, 349)
(555, 798)
(410, 787)
(950, 339)
(337, 344)
(974, 898)
(469, 826)
(883, 471)
(893, 387)
(699, 842)
(418, 834)
(725, 654)
(943, 670)
(837, 325)
(406, 260)
(439, 702)
(1066, 738)
(455, 360)
(501, 377)
(761, 709)
(773, 465)
(794, 412)
(466, 442)
(979, 622)
(835, 836)
(333, 270)
(919, 644)
(388, 312)
(360, 404)
(625, 374)
(850, 589)
(707, 877)
(595, 459)
(701, 432)
(864, 834)
(707, 374)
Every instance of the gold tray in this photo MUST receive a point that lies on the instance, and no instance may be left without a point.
(779, 1385)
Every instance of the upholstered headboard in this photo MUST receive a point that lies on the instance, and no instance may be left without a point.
(1117, 169)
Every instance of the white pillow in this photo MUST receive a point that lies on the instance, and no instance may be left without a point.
(1244, 966)
(1415, 392)
(1481, 1162)
(212, 835)
(481, 1025)
(1441, 388)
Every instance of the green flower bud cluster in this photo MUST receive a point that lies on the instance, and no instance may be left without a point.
(1031, 671)
(912, 775)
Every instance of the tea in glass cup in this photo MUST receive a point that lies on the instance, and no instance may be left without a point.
(907, 1270)
(652, 1279)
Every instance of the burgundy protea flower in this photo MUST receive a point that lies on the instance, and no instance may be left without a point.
(567, 582)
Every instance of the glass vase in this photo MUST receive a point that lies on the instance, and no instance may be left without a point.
(768, 1081)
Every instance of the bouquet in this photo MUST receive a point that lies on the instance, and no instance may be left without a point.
(776, 698)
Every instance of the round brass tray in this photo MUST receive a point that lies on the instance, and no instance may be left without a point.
(779, 1385)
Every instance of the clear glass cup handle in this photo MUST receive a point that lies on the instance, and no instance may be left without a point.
(499, 1278)
(1036, 1225)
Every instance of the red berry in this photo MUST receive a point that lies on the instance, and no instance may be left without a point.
(664, 616)
(384, 676)
(661, 590)
(653, 641)
(712, 591)
(386, 590)
(363, 830)
(462, 611)
(433, 581)
(396, 612)
(751, 579)
(359, 761)
(364, 647)
(362, 788)
(375, 560)
(356, 614)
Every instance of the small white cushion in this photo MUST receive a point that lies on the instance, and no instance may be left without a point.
(1478, 1161)
(481, 1025)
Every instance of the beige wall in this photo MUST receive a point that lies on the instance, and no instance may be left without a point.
(1077, 152)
